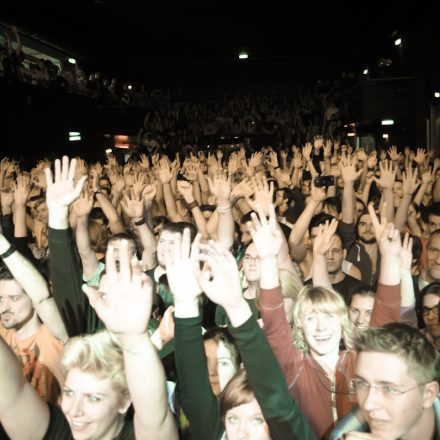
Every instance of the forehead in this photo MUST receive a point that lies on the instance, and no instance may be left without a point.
(434, 218)
(430, 300)
(167, 235)
(434, 242)
(252, 250)
(338, 242)
(88, 382)
(362, 302)
(377, 367)
(10, 287)
(365, 218)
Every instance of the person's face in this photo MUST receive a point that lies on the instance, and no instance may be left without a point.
(360, 310)
(246, 422)
(245, 234)
(397, 191)
(165, 246)
(221, 366)
(430, 314)
(251, 264)
(41, 212)
(16, 307)
(305, 187)
(116, 244)
(365, 229)
(335, 256)
(389, 416)
(322, 331)
(433, 223)
(93, 409)
(433, 257)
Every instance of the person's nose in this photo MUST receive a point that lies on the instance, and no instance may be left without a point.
(76, 408)
(372, 399)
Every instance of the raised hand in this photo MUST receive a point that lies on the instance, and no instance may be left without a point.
(263, 196)
(21, 189)
(387, 175)
(183, 267)
(394, 155)
(361, 155)
(265, 234)
(317, 194)
(325, 238)
(138, 184)
(297, 160)
(132, 204)
(61, 190)
(220, 186)
(242, 189)
(83, 205)
(419, 158)
(164, 173)
(125, 295)
(307, 150)
(372, 160)
(222, 283)
(186, 189)
(145, 164)
(409, 181)
(149, 193)
(347, 165)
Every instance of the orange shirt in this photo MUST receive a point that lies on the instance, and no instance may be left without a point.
(39, 355)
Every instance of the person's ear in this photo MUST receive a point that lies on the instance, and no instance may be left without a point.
(344, 253)
(125, 404)
(430, 393)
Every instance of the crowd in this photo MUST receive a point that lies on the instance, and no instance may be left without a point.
(278, 294)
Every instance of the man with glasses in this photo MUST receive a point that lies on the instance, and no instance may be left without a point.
(430, 309)
(396, 383)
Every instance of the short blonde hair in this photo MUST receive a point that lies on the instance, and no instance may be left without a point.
(99, 353)
(324, 301)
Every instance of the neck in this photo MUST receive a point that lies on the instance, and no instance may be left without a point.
(370, 247)
(336, 277)
(115, 429)
(427, 277)
(327, 361)
(251, 291)
(29, 328)
(424, 428)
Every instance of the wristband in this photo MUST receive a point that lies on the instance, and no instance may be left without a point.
(192, 205)
(140, 222)
(223, 209)
(8, 252)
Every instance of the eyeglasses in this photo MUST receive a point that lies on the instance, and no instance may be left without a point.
(428, 310)
(248, 258)
(362, 388)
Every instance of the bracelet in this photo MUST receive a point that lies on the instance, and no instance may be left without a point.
(223, 209)
(140, 222)
(192, 205)
(8, 252)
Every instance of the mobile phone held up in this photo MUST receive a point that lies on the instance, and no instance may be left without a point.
(321, 181)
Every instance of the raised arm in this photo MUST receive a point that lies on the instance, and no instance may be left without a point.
(123, 302)
(35, 286)
(349, 175)
(17, 397)
(409, 185)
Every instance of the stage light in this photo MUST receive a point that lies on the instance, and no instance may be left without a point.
(387, 122)
(385, 136)
(108, 151)
(243, 55)
(72, 60)
(130, 87)
(74, 136)
(437, 94)
(397, 42)
(365, 72)
(351, 134)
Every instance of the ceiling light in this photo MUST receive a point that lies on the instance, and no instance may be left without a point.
(437, 94)
(365, 72)
(397, 42)
(72, 60)
(387, 122)
(130, 87)
(108, 151)
(351, 134)
(385, 136)
(243, 55)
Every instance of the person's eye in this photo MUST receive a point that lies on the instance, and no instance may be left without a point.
(232, 419)
(258, 421)
(15, 298)
(93, 398)
(224, 364)
(67, 392)
(310, 318)
(391, 390)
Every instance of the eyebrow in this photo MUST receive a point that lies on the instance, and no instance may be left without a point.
(381, 382)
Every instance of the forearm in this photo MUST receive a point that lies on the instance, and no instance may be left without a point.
(407, 295)
(402, 212)
(197, 193)
(389, 270)
(366, 192)
(146, 384)
(110, 212)
(170, 203)
(20, 229)
(320, 274)
(225, 224)
(347, 203)
(149, 244)
(421, 192)
(301, 225)
(86, 253)
(389, 199)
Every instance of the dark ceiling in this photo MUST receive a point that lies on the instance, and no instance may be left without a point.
(168, 40)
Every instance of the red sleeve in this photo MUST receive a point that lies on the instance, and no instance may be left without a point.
(278, 331)
(386, 305)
